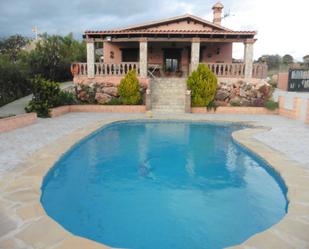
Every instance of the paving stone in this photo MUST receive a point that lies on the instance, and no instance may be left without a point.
(31, 211)
(6, 225)
(80, 243)
(23, 196)
(43, 234)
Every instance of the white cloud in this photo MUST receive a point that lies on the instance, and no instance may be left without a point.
(281, 25)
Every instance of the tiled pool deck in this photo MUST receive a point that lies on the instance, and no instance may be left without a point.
(28, 153)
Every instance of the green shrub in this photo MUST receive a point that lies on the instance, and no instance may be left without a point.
(65, 98)
(46, 95)
(114, 101)
(273, 83)
(212, 106)
(235, 102)
(271, 105)
(203, 85)
(129, 89)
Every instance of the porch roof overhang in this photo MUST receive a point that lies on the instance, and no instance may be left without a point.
(170, 35)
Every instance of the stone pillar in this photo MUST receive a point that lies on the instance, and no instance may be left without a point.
(188, 101)
(195, 54)
(248, 59)
(90, 58)
(148, 100)
(143, 57)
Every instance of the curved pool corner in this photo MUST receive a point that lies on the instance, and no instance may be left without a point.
(293, 230)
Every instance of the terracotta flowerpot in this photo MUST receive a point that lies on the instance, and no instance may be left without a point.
(75, 69)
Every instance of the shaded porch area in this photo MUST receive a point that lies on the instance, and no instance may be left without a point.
(152, 58)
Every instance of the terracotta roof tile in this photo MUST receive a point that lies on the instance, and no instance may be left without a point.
(156, 31)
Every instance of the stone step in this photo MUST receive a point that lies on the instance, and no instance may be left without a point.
(168, 95)
(167, 108)
(168, 111)
(168, 101)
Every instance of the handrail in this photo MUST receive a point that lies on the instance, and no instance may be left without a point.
(115, 69)
(102, 69)
(231, 70)
(237, 70)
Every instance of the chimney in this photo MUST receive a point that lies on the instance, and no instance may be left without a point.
(217, 8)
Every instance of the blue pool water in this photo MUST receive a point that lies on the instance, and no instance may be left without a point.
(163, 185)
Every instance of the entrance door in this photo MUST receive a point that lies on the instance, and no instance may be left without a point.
(172, 60)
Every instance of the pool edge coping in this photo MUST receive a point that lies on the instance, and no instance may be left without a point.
(22, 192)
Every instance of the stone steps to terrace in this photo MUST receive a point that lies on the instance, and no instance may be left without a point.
(168, 95)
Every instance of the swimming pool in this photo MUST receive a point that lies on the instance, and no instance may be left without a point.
(147, 185)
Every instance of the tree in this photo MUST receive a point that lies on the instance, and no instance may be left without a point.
(203, 84)
(13, 45)
(50, 58)
(53, 56)
(287, 59)
(14, 81)
(272, 61)
(306, 58)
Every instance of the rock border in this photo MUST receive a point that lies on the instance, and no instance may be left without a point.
(21, 191)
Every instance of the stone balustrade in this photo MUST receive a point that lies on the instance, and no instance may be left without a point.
(237, 70)
(259, 70)
(232, 70)
(115, 69)
(103, 69)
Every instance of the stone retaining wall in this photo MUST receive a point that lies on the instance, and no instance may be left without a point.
(242, 92)
(294, 112)
(19, 121)
(113, 80)
(234, 110)
(58, 111)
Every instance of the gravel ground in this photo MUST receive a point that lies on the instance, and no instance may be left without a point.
(287, 136)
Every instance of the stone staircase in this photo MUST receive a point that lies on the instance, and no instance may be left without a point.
(168, 95)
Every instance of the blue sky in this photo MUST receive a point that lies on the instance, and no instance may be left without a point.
(281, 25)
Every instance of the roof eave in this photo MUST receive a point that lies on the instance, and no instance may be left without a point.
(193, 32)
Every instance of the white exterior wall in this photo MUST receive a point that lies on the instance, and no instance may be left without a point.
(289, 100)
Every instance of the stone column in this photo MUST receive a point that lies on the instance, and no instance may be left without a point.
(195, 54)
(143, 57)
(90, 58)
(148, 100)
(248, 59)
(188, 101)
